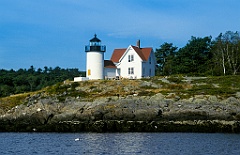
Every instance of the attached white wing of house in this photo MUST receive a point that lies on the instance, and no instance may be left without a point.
(133, 62)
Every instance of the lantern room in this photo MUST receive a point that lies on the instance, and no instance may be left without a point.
(95, 45)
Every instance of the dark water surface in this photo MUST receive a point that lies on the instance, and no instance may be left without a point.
(119, 143)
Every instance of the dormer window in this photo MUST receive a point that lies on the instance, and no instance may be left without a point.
(130, 58)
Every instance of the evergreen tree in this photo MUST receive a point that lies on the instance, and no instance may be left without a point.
(194, 57)
(164, 57)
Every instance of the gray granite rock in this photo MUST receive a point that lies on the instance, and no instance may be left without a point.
(47, 111)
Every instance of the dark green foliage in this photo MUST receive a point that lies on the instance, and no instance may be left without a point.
(26, 80)
(201, 56)
(164, 57)
(193, 58)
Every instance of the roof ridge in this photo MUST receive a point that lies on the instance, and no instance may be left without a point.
(139, 52)
(141, 47)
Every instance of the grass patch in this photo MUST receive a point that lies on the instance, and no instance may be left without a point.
(223, 86)
(175, 79)
(146, 93)
(228, 85)
(7, 103)
(147, 87)
(62, 91)
(175, 86)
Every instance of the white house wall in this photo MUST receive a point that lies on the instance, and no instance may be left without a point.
(110, 73)
(136, 64)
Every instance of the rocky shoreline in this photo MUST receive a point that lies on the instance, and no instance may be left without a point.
(157, 113)
(201, 126)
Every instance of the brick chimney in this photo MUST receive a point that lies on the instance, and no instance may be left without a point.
(138, 43)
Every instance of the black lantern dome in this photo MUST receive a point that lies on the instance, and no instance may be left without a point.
(95, 45)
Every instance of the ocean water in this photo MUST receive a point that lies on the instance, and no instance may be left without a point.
(119, 143)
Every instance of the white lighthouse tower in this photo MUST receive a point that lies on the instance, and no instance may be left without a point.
(95, 59)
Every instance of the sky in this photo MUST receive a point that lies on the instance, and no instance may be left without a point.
(54, 33)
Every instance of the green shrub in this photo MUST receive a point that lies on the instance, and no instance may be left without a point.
(74, 85)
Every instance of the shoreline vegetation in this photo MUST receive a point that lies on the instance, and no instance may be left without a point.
(157, 104)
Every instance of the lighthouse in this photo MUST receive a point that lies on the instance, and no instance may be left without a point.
(95, 59)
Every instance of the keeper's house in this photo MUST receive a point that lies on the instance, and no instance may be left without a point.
(133, 62)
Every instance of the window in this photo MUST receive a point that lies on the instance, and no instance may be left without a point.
(130, 70)
(150, 60)
(130, 58)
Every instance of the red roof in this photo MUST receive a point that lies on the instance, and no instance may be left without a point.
(117, 54)
(109, 64)
(143, 53)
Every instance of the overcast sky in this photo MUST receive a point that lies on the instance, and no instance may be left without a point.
(54, 32)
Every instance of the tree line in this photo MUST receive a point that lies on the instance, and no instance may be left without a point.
(25, 80)
(201, 56)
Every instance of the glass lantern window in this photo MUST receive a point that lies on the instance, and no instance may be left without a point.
(95, 44)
